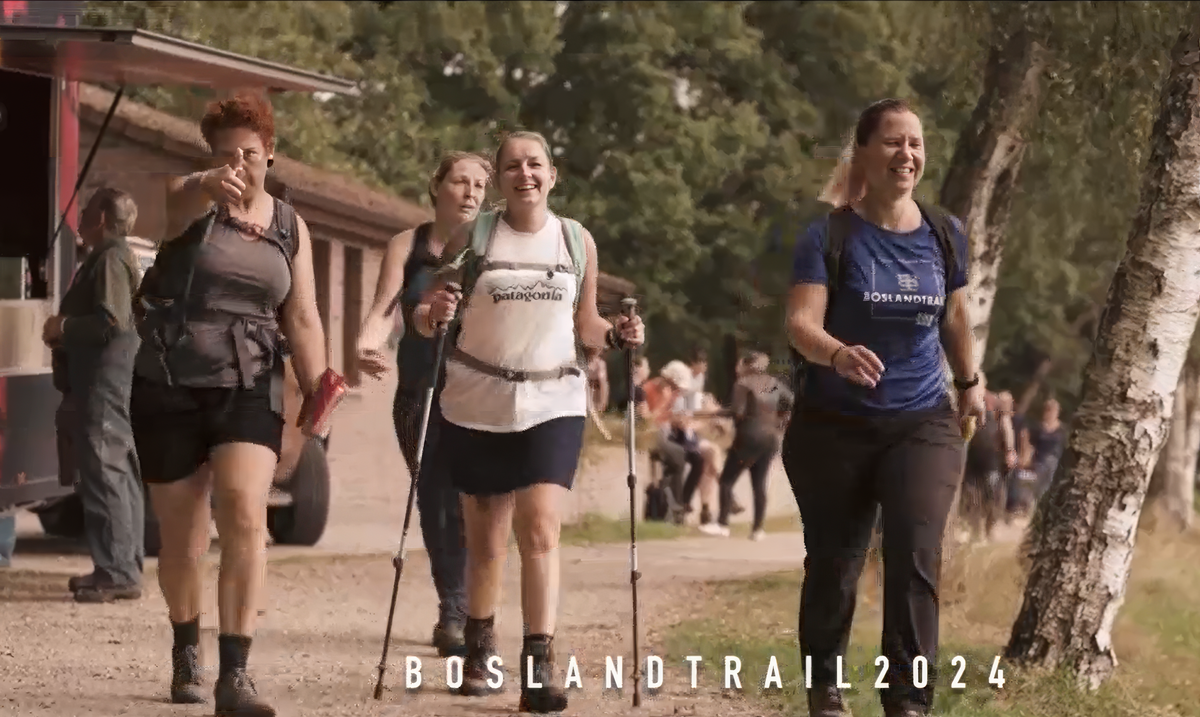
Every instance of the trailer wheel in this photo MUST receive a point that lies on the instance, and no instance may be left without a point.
(303, 521)
(63, 519)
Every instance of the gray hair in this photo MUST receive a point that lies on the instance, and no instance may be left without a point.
(120, 211)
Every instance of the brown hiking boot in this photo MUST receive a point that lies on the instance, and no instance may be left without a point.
(549, 697)
(449, 640)
(826, 701)
(185, 676)
(480, 637)
(79, 582)
(101, 589)
(236, 696)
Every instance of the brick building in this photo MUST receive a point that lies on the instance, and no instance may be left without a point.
(349, 222)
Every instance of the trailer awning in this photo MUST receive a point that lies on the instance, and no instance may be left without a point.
(136, 57)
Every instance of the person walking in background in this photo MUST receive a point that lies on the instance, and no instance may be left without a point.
(208, 413)
(876, 427)
(515, 401)
(1048, 438)
(94, 341)
(984, 470)
(759, 403)
(457, 190)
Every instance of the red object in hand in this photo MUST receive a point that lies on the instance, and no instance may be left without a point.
(331, 389)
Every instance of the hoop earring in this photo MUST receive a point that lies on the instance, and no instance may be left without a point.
(270, 162)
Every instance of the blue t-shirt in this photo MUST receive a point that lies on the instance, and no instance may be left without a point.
(892, 301)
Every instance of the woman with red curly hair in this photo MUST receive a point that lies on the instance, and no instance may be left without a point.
(231, 295)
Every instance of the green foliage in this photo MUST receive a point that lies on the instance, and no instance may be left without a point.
(686, 133)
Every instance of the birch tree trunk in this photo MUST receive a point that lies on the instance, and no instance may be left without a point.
(982, 178)
(1087, 523)
(1172, 490)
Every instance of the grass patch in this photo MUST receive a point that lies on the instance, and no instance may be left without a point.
(1157, 639)
(594, 528)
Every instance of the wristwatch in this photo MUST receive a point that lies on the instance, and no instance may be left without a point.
(964, 385)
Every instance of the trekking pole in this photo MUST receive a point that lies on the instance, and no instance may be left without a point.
(629, 308)
(398, 560)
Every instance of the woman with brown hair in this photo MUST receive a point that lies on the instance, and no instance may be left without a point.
(878, 297)
(515, 399)
(230, 296)
(457, 191)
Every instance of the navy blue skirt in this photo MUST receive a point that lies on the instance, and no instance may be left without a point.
(487, 463)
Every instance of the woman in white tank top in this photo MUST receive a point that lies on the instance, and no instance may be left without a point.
(515, 401)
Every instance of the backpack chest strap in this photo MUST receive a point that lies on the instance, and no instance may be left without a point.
(513, 375)
(550, 269)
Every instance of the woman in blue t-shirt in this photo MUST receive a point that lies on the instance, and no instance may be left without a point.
(875, 428)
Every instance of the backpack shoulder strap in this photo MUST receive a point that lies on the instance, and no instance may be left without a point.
(837, 229)
(944, 229)
(573, 234)
(469, 257)
(288, 224)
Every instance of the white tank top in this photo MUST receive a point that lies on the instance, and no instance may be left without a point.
(520, 319)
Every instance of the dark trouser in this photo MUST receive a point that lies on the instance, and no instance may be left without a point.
(753, 452)
(841, 469)
(438, 503)
(678, 462)
(109, 486)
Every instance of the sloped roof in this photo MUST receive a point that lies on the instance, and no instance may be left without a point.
(182, 137)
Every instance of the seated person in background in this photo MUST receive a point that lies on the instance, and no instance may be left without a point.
(661, 394)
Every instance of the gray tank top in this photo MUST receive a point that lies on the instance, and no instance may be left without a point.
(238, 288)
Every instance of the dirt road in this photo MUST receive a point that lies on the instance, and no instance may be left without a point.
(318, 645)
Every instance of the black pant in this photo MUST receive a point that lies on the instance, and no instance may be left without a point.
(751, 451)
(841, 469)
(438, 503)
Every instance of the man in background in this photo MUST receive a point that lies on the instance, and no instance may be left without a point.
(94, 342)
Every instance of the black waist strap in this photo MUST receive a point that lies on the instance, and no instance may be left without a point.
(514, 375)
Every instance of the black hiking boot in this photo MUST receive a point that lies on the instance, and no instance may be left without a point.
(185, 676)
(548, 697)
(236, 696)
(449, 639)
(826, 701)
(480, 638)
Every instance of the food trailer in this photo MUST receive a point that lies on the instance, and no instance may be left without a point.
(41, 66)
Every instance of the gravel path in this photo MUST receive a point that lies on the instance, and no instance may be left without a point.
(318, 644)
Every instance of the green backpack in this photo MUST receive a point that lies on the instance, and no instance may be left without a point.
(472, 259)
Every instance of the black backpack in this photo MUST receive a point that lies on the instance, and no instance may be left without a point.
(161, 301)
(839, 228)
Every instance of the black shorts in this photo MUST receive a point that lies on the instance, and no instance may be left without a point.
(176, 428)
(487, 463)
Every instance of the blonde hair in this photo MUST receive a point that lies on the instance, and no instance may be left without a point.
(523, 134)
(449, 159)
(846, 185)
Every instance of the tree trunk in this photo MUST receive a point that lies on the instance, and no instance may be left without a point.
(1173, 485)
(980, 183)
(1087, 522)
